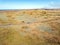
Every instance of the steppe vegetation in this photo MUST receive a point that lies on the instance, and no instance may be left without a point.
(30, 27)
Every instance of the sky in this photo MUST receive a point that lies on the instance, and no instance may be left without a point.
(29, 4)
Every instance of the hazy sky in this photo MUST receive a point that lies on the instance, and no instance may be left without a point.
(29, 4)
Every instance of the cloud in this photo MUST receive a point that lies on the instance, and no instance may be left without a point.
(49, 5)
(53, 5)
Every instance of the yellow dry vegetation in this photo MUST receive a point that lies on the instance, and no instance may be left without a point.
(30, 27)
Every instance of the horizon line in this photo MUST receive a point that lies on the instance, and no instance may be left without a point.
(30, 9)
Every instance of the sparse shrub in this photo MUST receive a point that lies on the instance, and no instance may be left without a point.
(43, 12)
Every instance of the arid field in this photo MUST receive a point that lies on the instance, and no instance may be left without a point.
(30, 27)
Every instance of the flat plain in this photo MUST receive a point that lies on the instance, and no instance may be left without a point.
(30, 27)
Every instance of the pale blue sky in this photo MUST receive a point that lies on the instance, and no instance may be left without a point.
(29, 4)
